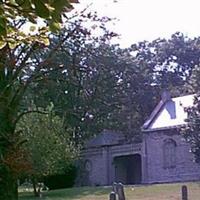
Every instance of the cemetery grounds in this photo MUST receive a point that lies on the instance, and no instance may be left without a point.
(145, 192)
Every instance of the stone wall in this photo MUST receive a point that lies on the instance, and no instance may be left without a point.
(182, 168)
(165, 157)
(97, 170)
(102, 159)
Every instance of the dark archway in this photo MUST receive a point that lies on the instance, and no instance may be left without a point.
(128, 169)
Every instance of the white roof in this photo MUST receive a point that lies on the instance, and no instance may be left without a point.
(170, 113)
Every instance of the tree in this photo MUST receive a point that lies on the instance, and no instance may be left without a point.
(191, 131)
(172, 60)
(48, 147)
(101, 86)
(17, 72)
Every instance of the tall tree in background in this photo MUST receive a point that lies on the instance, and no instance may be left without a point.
(191, 131)
(72, 86)
(103, 86)
(172, 60)
(163, 64)
(100, 86)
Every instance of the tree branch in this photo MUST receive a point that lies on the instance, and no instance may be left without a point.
(28, 112)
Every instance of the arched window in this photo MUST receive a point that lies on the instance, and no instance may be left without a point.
(169, 153)
(88, 165)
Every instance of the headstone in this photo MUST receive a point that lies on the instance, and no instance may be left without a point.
(112, 196)
(114, 187)
(120, 191)
(184, 192)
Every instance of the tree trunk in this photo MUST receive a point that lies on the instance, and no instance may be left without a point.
(34, 187)
(11, 94)
(8, 184)
(8, 179)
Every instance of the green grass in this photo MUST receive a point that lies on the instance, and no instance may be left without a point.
(149, 192)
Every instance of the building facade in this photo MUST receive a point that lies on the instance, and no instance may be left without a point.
(162, 156)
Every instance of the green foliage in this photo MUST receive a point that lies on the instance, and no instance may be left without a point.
(71, 87)
(191, 131)
(15, 13)
(64, 180)
(99, 86)
(47, 145)
(172, 60)
(104, 87)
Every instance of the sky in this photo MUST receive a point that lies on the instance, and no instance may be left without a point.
(140, 20)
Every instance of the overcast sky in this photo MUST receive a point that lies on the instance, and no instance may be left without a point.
(149, 19)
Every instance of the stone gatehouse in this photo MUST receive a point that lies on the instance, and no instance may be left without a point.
(162, 156)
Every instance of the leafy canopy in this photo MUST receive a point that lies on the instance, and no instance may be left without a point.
(15, 13)
(48, 147)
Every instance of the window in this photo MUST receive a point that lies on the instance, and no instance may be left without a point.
(169, 153)
(88, 165)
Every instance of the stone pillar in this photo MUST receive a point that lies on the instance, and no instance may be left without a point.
(112, 169)
(105, 153)
(144, 158)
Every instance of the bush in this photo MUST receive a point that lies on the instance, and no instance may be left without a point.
(59, 181)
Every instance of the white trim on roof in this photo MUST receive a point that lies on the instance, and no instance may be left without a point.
(169, 114)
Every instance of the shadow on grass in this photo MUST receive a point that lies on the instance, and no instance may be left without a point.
(142, 192)
(66, 194)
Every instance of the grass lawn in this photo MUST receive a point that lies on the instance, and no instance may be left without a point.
(149, 192)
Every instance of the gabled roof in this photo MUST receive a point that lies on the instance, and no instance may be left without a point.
(169, 113)
(105, 138)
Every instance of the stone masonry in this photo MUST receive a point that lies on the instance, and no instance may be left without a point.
(162, 156)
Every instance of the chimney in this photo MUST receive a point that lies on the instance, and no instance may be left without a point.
(166, 96)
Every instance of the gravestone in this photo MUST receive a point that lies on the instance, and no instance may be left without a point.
(112, 196)
(120, 191)
(114, 187)
(117, 189)
(184, 192)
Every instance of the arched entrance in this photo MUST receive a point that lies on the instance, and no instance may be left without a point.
(128, 169)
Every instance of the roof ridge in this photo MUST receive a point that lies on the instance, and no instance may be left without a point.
(186, 100)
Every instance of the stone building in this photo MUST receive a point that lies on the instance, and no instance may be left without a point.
(162, 156)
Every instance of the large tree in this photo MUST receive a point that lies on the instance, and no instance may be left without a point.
(103, 86)
(99, 86)
(18, 70)
(172, 60)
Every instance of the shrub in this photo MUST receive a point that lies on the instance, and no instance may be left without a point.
(59, 181)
